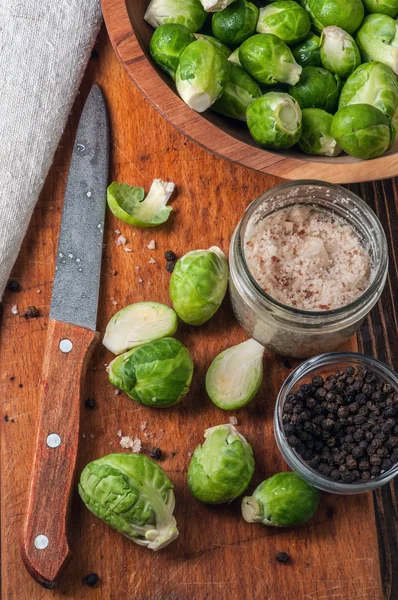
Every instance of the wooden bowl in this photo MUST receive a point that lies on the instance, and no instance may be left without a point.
(130, 36)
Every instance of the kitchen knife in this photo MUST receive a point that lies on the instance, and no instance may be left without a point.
(71, 339)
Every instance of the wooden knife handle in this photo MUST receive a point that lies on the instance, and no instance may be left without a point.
(45, 547)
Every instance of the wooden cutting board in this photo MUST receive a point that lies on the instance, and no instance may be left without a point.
(218, 556)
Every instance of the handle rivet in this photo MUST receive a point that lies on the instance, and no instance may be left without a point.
(53, 440)
(41, 542)
(65, 346)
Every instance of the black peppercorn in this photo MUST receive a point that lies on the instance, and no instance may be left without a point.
(91, 579)
(282, 557)
(31, 312)
(170, 256)
(317, 380)
(155, 453)
(335, 475)
(90, 403)
(170, 266)
(13, 286)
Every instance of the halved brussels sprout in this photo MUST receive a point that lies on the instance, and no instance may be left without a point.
(386, 7)
(347, 14)
(317, 88)
(282, 500)
(339, 52)
(183, 12)
(201, 75)
(377, 39)
(127, 203)
(198, 285)
(221, 469)
(224, 49)
(363, 131)
(307, 53)
(269, 60)
(285, 19)
(274, 120)
(139, 324)
(239, 92)
(316, 137)
(234, 377)
(234, 57)
(372, 83)
(132, 494)
(167, 44)
(156, 374)
(236, 23)
(215, 5)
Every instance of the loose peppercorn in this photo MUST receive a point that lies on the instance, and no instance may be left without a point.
(31, 312)
(282, 557)
(13, 286)
(91, 579)
(170, 256)
(155, 453)
(170, 266)
(90, 403)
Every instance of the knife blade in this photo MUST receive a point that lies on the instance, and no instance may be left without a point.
(71, 339)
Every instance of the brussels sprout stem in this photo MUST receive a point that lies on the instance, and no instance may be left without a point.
(165, 529)
(251, 510)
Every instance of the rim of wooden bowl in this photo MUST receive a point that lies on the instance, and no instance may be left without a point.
(290, 166)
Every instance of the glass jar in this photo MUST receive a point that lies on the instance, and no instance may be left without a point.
(286, 330)
(324, 365)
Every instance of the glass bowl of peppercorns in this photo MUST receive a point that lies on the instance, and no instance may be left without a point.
(336, 422)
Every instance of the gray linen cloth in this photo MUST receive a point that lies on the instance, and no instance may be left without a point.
(44, 48)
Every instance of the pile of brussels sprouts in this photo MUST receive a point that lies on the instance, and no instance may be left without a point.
(319, 74)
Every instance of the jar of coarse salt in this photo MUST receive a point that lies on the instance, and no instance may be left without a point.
(308, 261)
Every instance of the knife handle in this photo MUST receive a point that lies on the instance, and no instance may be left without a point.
(45, 547)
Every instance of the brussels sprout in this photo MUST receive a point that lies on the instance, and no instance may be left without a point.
(132, 494)
(215, 5)
(307, 53)
(363, 131)
(282, 500)
(377, 39)
(127, 203)
(285, 19)
(234, 377)
(224, 49)
(236, 23)
(386, 7)
(269, 60)
(347, 14)
(274, 120)
(156, 374)
(183, 12)
(339, 52)
(202, 74)
(317, 88)
(198, 285)
(234, 57)
(222, 468)
(372, 83)
(166, 46)
(316, 137)
(138, 324)
(239, 92)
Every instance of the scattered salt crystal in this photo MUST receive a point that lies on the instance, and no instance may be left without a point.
(136, 447)
(125, 441)
(189, 453)
(88, 194)
(127, 249)
(161, 430)
(151, 245)
(115, 303)
(111, 443)
(119, 433)
(60, 255)
(117, 231)
(149, 283)
(140, 280)
(83, 435)
(14, 309)
(78, 260)
(134, 444)
(117, 392)
(146, 435)
(38, 291)
(137, 268)
(143, 425)
(121, 240)
(152, 261)
(92, 436)
(70, 255)
(233, 420)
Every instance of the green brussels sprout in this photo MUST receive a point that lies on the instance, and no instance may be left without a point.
(307, 54)
(157, 374)
(372, 83)
(201, 75)
(239, 92)
(198, 285)
(347, 14)
(167, 44)
(282, 500)
(317, 88)
(274, 120)
(362, 130)
(127, 203)
(222, 468)
(215, 5)
(224, 49)
(316, 137)
(386, 7)
(139, 324)
(132, 494)
(236, 23)
(269, 60)
(285, 19)
(234, 57)
(183, 12)
(234, 377)
(339, 52)
(377, 39)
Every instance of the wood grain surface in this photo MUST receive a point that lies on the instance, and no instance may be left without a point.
(130, 36)
(218, 556)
